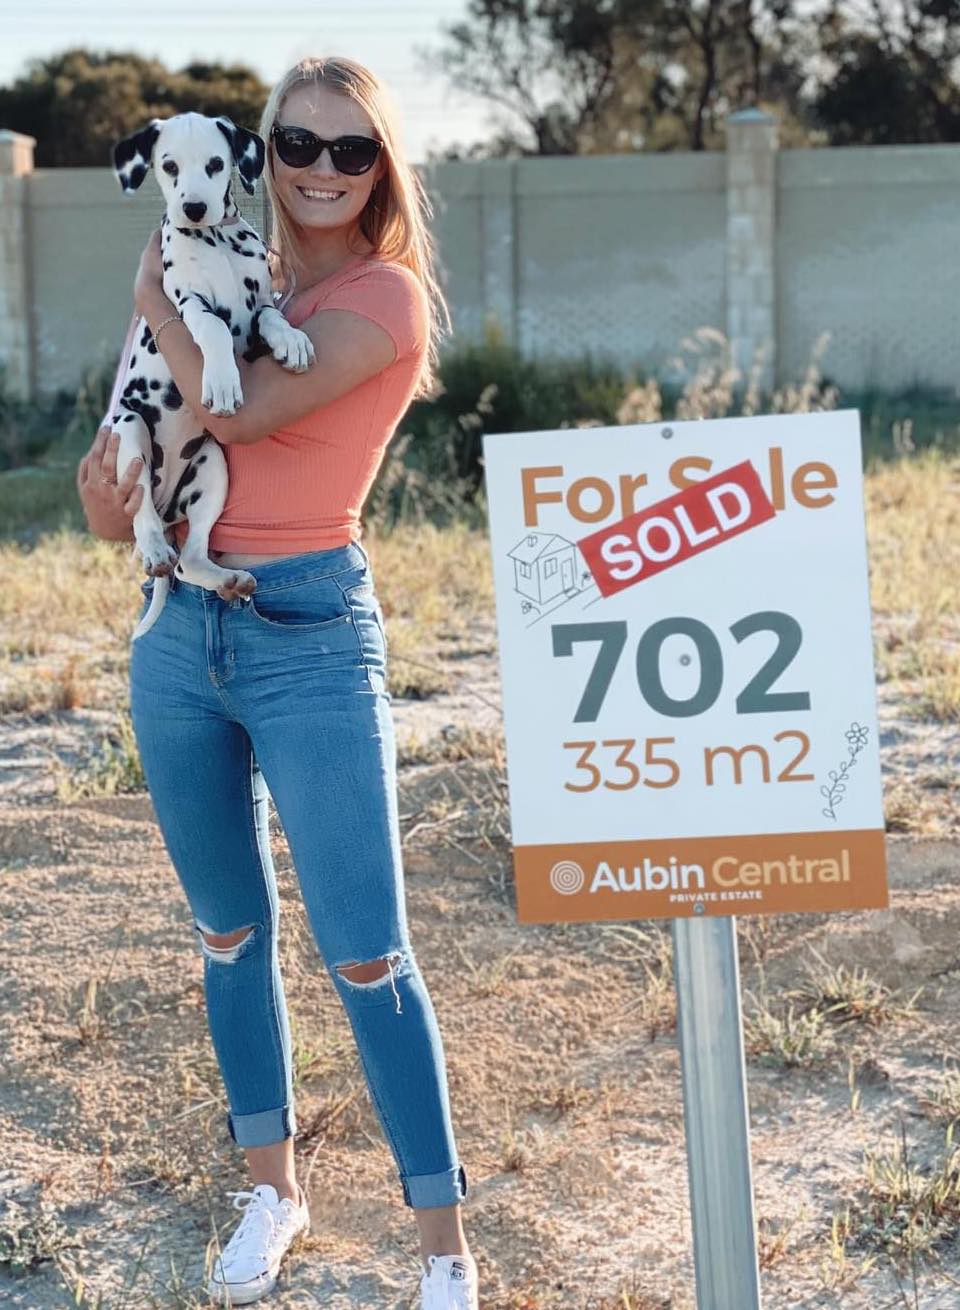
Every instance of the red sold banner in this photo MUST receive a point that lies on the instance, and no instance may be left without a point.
(664, 534)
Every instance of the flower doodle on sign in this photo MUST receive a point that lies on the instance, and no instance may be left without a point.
(856, 735)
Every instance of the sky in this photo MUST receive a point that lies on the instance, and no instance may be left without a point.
(269, 38)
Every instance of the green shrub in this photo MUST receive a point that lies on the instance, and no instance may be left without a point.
(489, 387)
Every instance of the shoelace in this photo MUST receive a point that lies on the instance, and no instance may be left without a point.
(252, 1225)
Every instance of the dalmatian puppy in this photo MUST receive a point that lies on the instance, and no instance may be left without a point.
(215, 272)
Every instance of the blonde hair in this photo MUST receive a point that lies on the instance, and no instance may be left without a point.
(394, 220)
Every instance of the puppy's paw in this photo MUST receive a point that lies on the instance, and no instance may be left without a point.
(236, 582)
(220, 390)
(294, 350)
(159, 557)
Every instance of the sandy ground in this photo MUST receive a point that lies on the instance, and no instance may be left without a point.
(562, 1063)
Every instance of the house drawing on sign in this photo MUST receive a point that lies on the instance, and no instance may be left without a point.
(545, 567)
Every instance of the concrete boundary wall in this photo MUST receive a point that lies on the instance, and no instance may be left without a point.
(622, 256)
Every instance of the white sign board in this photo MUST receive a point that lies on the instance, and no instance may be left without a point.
(685, 645)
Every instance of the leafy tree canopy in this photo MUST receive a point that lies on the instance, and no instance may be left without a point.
(79, 103)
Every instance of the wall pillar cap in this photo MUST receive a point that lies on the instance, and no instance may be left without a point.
(16, 153)
(751, 115)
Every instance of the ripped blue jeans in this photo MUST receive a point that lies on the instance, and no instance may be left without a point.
(286, 691)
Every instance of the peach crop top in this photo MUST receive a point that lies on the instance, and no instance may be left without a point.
(302, 487)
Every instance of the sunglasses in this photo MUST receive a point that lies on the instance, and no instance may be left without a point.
(350, 154)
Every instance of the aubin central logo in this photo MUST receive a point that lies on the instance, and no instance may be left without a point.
(567, 877)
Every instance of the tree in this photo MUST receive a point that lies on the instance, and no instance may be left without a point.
(651, 74)
(79, 103)
(549, 64)
(891, 72)
(663, 74)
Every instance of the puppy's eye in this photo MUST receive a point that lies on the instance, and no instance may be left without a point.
(214, 165)
(170, 167)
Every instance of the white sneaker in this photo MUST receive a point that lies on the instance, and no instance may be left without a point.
(451, 1283)
(247, 1268)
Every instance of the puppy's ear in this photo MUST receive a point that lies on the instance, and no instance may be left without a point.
(249, 152)
(133, 155)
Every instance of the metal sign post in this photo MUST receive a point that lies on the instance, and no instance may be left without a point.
(715, 1115)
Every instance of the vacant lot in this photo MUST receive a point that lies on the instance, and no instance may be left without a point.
(560, 1040)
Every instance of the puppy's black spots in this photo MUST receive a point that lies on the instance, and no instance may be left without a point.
(236, 329)
(172, 511)
(202, 459)
(183, 507)
(214, 166)
(146, 336)
(261, 256)
(156, 455)
(256, 349)
(127, 418)
(133, 360)
(196, 496)
(251, 284)
(156, 480)
(222, 311)
(242, 236)
(256, 346)
(251, 302)
(190, 448)
(154, 385)
(135, 384)
(172, 398)
(167, 263)
(137, 174)
(176, 291)
(149, 413)
(210, 241)
(250, 254)
(151, 347)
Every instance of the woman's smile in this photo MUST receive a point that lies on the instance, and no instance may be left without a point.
(326, 196)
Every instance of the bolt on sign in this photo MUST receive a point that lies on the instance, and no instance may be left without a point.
(683, 616)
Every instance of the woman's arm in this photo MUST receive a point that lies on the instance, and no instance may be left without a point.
(349, 348)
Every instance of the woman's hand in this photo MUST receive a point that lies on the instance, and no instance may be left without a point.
(149, 279)
(109, 505)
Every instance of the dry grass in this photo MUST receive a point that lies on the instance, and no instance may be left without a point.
(436, 590)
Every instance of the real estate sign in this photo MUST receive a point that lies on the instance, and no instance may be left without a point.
(688, 687)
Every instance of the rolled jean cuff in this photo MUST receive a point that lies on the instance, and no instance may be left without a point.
(262, 1129)
(425, 1190)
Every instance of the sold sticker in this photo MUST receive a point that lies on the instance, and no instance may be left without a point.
(672, 530)
(705, 743)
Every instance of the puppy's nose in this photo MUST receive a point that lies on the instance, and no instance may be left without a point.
(195, 210)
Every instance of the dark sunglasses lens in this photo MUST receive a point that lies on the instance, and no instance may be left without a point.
(355, 154)
(296, 149)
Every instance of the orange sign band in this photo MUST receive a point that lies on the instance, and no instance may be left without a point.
(692, 876)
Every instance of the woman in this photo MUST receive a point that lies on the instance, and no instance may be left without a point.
(296, 672)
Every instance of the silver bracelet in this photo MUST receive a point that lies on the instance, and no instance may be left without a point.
(174, 318)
